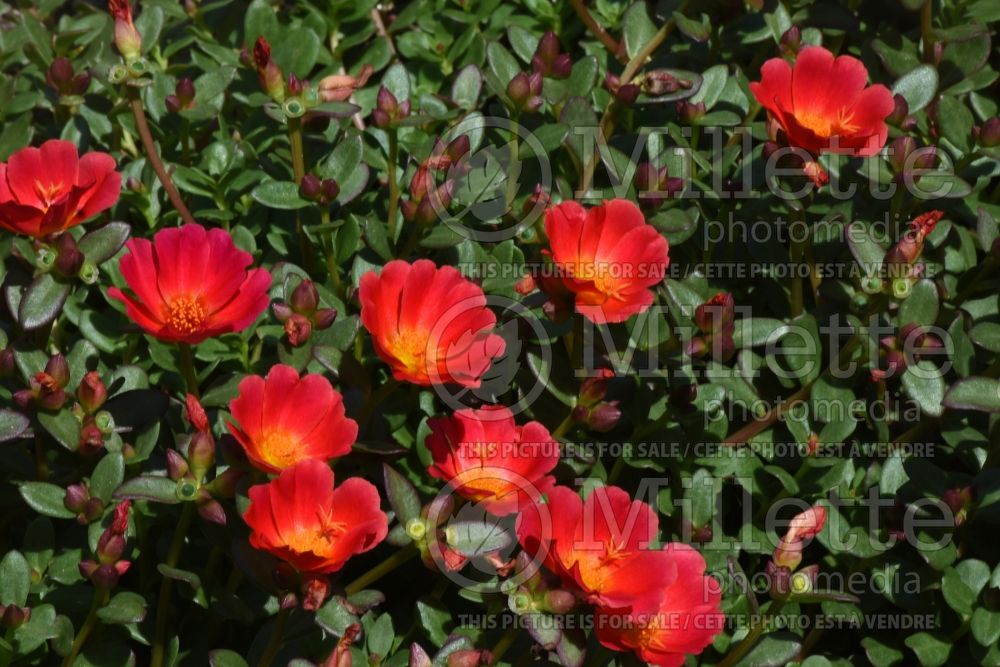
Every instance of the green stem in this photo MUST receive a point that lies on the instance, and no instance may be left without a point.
(505, 643)
(382, 569)
(100, 599)
(331, 254)
(617, 49)
(564, 426)
(926, 31)
(187, 369)
(797, 254)
(163, 599)
(277, 633)
(393, 184)
(298, 173)
(512, 166)
(139, 114)
(756, 631)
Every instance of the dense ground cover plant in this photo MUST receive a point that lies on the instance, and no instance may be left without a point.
(443, 333)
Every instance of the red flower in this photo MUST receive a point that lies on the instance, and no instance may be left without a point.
(49, 189)
(608, 257)
(601, 545)
(284, 419)
(429, 324)
(492, 460)
(683, 620)
(824, 104)
(190, 284)
(300, 518)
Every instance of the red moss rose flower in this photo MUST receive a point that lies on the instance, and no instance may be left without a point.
(190, 284)
(683, 619)
(49, 189)
(492, 460)
(302, 519)
(283, 419)
(823, 104)
(607, 256)
(429, 324)
(602, 545)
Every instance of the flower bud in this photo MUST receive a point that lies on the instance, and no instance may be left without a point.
(210, 509)
(127, 38)
(7, 362)
(201, 454)
(69, 259)
(899, 151)
(271, 78)
(91, 439)
(195, 413)
(559, 601)
(12, 616)
(298, 329)
(689, 112)
(294, 86)
(324, 318)
(595, 388)
(91, 393)
(900, 110)
(604, 417)
(76, 497)
(58, 369)
(93, 510)
(305, 297)
(661, 82)
(524, 91)
(790, 42)
(549, 60)
(959, 500)
(470, 658)
(341, 655)
(989, 133)
(177, 466)
(388, 110)
(418, 656)
(315, 590)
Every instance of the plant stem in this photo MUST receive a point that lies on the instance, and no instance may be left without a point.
(100, 599)
(186, 358)
(564, 426)
(393, 184)
(382, 569)
(505, 643)
(163, 600)
(277, 633)
(139, 114)
(616, 48)
(748, 642)
(331, 255)
(512, 167)
(926, 31)
(298, 172)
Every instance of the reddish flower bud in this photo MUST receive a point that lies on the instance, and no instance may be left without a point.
(524, 91)
(195, 413)
(989, 133)
(69, 259)
(341, 655)
(92, 511)
(549, 60)
(298, 329)
(387, 109)
(209, 509)
(595, 387)
(559, 601)
(58, 369)
(12, 616)
(76, 497)
(7, 362)
(201, 454)
(604, 417)
(127, 38)
(716, 314)
(907, 250)
(790, 41)
(418, 656)
(91, 393)
(324, 317)
(294, 87)
(900, 110)
(261, 52)
(177, 466)
(661, 82)
(470, 658)
(959, 500)
(305, 297)
(282, 311)
(804, 526)
(689, 112)
(271, 78)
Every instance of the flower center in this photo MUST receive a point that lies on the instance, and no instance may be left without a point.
(279, 449)
(320, 537)
(185, 315)
(49, 192)
(411, 351)
(826, 125)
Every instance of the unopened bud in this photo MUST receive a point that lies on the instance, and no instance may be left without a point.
(790, 41)
(91, 393)
(127, 38)
(900, 110)
(12, 616)
(989, 133)
(298, 329)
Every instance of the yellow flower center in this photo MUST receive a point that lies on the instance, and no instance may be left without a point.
(827, 125)
(410, 350)
(185, 314)
(319, 537)
(48, 193)
(279, 449)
